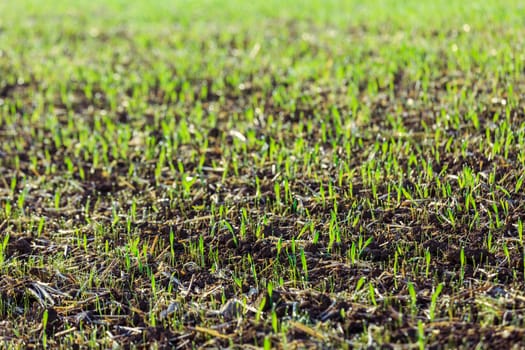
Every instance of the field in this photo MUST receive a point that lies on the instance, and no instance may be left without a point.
(262, 174)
